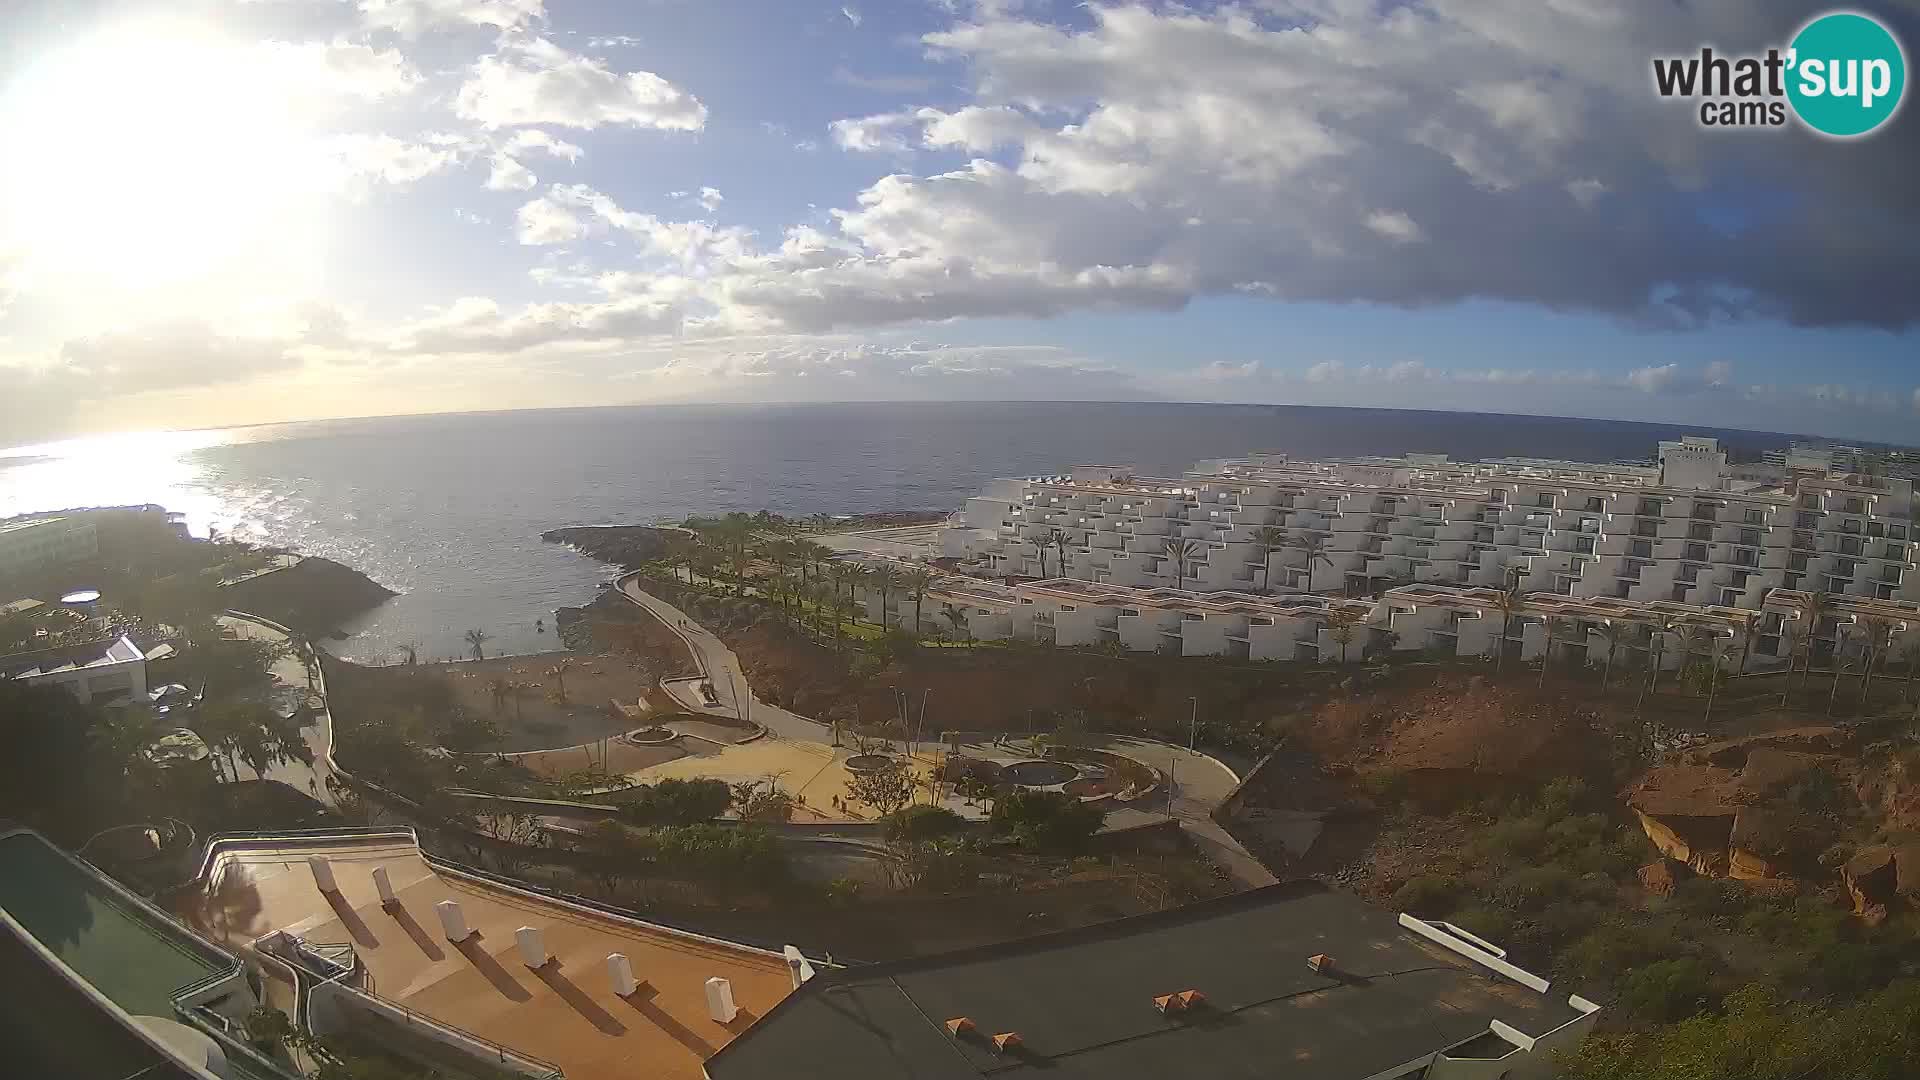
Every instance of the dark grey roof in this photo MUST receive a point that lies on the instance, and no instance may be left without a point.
(1082, 1001)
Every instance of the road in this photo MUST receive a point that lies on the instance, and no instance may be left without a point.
(289, 670)
(1196, 783)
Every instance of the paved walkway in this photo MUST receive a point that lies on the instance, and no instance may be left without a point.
(290, 671)
(1196, 782)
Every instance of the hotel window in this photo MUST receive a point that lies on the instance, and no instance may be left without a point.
(1756, 517)
(1750, 537)
(1699, 532)
(1546, 500)
(1856, 506)
(1595, 502)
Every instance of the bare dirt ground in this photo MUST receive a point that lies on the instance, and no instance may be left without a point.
(528, 716)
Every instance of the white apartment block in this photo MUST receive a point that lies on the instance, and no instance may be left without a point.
(1688, 529)
(38, 543)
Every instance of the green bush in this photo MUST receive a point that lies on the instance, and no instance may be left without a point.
(1046, 820)
(1427, 895)
(676, 802)
(1534, 887)
(1492, 923)
(1666, 991)
(919, 823)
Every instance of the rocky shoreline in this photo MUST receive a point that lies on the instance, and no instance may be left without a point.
(314, 596)
(625, 546)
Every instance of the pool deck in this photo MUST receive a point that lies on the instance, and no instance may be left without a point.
(565, 1012)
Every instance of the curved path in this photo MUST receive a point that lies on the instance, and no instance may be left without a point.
(1196, 783)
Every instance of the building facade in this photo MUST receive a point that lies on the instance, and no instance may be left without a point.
(28, 547)
(1687, 529)
(110, 669)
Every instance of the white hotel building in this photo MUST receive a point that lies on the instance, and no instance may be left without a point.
(1429, 543)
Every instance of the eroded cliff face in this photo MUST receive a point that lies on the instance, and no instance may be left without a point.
(314, 596)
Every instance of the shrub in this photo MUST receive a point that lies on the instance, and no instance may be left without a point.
(1534, 887)
(1427, 895)
(919, 823)
(1046, 820)
(677, 802)
(1666, 991)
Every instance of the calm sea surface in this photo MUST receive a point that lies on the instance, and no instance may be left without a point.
(448, 510)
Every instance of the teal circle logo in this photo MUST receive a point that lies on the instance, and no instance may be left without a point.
(1846, 74)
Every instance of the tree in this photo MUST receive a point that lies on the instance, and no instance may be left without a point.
(1841, 634)
(498, 689)
(226, 666)
(251, 731)
(477, 640)
(1611, 633)
(883, 790)
(1656, 645)
(1713, 674)
(411, 650)
(1341, 624)
(1547, 625)
(1045, 820)
(1878, 635)
(1059, 538)
(1315, 545)
(916, 582)
(958, 617)
(1689, 636)
(558, 673)
(44, 749)
(1270, 539)
(1181, 552)
(886, 579)
(302, 650)
(1509, 603)
(1910, 659)
(1798, 637)
(1040, 553)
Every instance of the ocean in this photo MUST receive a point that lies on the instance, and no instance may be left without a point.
(448, 510)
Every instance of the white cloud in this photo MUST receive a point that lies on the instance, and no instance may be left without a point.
(538, 82)
(1395, 225)
(850, 15)
(1653, 380)
(412, 17)
(547, 221)
(888, 132)
(710, 198)
(342, 69)
(507, 174)
(389, 160)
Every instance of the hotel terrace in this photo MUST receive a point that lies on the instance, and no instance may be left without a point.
(1601, 555)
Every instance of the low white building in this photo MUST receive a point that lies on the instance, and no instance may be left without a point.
(1687, 528)
(36, 544)
(105, 670)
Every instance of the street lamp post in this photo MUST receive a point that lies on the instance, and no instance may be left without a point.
(1193, 723)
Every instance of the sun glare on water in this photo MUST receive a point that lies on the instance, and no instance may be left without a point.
(151, 157)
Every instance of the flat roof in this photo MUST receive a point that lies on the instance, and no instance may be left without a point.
(565, 1013)
(16, 526)
(135, 957)
(103, 652)
(1082, 1001)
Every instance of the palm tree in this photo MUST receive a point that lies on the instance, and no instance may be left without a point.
(1268, 538)
(916, 582)
(1059, 538)
(1840, 635)
(1180, 551)
(1910, 658)
(1689, 636)
(841, 574)
(886, 579)
(411, 650)
(1713, 674)
(477, 640)
(1656, 645)
(1878, 634)
(1316, 549)
(302, 650)
(1610, 632)
(498, 689)
(1509, 603)
(1547, 622)
(1040, 552)
(558, 673)
(958, 618)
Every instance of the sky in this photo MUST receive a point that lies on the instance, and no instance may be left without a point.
(220, 212)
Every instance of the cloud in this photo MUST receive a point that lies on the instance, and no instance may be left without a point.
(412, 17)
(176, 355)
(1506, 150)
(850, 15)
(389, 160)
(710, 198)
(508, 173)
(886, 84)
(342, 69)
(537, 82)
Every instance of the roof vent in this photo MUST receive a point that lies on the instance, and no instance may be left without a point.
(1006, 1041)
(1320, 963)
(960, 1025)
